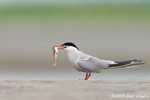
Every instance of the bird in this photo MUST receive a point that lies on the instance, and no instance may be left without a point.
(89, 64)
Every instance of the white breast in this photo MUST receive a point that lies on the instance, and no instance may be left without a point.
(73, 57)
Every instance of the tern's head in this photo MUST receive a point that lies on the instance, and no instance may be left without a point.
(68, 46)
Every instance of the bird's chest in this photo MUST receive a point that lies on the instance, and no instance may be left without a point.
(73, 57)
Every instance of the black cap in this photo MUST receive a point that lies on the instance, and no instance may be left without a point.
(70, 44)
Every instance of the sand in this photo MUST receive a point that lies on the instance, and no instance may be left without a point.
(74, 90)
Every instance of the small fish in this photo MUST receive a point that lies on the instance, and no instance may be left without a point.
(55, 52)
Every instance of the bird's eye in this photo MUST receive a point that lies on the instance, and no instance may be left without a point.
(64, 46)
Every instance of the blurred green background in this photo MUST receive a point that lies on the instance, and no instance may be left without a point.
(108, 29)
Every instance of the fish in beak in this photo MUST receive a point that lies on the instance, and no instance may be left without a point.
(55, 52)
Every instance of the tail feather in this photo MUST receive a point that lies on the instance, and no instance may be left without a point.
(121, 64)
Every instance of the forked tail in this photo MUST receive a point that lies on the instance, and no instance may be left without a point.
(121, 64)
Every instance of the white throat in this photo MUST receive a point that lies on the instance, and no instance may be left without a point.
(72, 53)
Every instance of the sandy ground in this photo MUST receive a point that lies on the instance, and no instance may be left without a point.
(74, 90)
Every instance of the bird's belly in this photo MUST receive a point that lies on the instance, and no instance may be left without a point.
(91, 69)
(76, 67)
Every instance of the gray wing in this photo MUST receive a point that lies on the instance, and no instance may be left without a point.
(91, 64)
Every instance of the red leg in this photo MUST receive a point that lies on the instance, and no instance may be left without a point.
(87, 76)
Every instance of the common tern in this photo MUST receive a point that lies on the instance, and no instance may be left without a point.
(90, 64)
